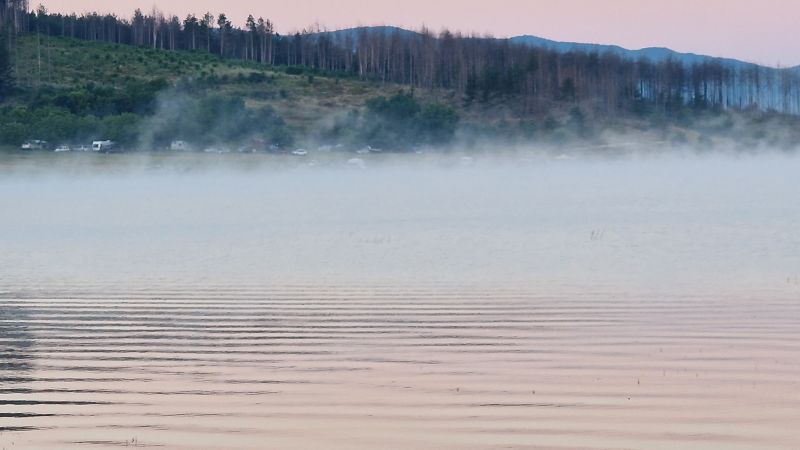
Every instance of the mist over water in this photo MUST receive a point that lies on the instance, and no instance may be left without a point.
(716, 222)
(250, 301)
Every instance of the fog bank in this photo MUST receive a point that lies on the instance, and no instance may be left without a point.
(717, 222)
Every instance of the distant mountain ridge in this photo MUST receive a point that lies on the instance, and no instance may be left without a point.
(655, 54)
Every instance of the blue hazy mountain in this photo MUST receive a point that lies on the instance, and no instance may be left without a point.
(656, 54)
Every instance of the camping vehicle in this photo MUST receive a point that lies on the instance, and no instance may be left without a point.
(35, 145)
(104, 146)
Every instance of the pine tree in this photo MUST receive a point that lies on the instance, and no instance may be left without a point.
(252, 30)
(208, 25)
(224, 28)
(190, 27)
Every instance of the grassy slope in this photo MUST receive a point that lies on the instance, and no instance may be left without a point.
(69, 62)
(302, 103)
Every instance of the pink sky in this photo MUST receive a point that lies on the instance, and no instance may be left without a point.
(763, 31)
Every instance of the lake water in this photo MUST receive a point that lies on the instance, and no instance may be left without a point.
(249, 302)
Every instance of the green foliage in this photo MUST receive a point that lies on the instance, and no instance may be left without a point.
(400, 122)
(295, 70)
(81, 114)
(58, 125)
(438, 123)
(138, 97)
(400, 107)
(215, 118)
(253, 78)
(123, 128)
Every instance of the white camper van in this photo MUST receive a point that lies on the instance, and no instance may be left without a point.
(103, 146)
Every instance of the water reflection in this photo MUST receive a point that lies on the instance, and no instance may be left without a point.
(16, 366)
(255, 366)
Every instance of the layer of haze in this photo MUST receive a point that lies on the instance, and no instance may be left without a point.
(712, 223)
(762, 32)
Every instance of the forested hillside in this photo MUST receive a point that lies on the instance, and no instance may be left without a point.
(152, 78)
(75, 91)
(478, 67)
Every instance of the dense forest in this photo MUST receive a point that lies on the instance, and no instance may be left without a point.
(428, 79)
(478, 67)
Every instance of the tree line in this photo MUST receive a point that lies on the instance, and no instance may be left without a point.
(480, 68)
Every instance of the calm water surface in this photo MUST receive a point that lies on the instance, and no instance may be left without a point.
(245, 302)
